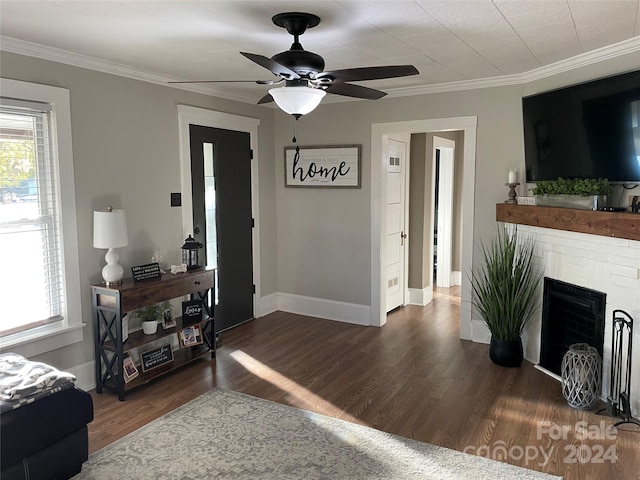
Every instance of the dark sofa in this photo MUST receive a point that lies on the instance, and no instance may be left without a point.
(46, 439)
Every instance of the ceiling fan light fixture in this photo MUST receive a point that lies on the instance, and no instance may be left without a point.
(306, 81)
(297, 100)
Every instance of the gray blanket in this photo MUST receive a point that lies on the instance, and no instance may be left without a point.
(23, 381)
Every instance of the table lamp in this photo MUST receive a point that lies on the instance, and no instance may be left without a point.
(110, 231)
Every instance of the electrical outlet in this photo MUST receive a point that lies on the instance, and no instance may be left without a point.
(176, 199)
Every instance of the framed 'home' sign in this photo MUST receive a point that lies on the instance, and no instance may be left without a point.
(334, 166)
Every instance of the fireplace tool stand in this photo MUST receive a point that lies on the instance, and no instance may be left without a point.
(618, 401)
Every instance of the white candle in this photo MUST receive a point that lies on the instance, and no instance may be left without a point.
(513, 176)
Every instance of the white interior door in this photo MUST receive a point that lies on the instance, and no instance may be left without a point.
(444, 245)
(396, 161)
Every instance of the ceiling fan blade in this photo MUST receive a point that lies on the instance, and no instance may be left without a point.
(369, 73)
(273, 67)
(357, 91)
(259, 82)
(266, 99)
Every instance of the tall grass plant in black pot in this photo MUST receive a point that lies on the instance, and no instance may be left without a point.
(505, 292)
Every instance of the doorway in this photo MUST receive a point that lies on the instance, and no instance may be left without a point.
(245, 129)
(378, 214)
(222, 221)
(442, 214)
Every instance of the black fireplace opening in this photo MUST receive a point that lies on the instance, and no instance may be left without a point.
(570, 314)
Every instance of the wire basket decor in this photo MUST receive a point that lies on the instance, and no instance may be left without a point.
(581, 376)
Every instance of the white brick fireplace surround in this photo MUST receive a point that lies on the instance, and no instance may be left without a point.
(609, 265)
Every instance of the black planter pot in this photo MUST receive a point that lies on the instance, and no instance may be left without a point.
(506, 353)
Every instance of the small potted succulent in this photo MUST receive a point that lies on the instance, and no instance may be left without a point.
(151, 315)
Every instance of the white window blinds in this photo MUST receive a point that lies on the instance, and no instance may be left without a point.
(31, 256)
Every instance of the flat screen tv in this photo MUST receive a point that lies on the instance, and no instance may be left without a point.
(590, 130)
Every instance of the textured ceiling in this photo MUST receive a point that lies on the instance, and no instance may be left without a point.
(448, 41)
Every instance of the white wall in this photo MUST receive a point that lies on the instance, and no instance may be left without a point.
(324, 237)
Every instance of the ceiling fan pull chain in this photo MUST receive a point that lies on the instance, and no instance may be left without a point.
(295, 131)
(296, 156)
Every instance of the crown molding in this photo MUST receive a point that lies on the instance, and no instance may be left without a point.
(44, 52)
(501, 81)
(619, 49)
(626, 47)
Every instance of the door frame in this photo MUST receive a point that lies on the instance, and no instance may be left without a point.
(445, 206)
(378, 217)
(188, 115)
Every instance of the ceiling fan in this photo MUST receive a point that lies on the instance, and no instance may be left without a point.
(303, 75)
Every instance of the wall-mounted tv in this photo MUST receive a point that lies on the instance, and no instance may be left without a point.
(590, 130)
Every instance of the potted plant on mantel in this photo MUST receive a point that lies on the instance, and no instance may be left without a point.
(505, 293)
(581, 193)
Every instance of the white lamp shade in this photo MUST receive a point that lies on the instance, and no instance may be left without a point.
(110, 229)
(297, 100)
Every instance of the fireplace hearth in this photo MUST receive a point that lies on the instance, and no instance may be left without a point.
(570, 314)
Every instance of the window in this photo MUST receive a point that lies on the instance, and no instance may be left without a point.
(39, 281)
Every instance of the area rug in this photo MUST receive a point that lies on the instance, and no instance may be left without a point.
(228, 435)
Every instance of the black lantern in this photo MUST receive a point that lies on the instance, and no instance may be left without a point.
(190, 252)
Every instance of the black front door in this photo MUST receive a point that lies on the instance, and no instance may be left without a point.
(222, 217)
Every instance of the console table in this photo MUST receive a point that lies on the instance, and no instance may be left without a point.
(112, 303)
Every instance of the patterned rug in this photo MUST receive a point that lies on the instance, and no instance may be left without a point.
(228, 435)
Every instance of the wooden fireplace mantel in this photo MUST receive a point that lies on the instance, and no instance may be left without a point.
(607, 224)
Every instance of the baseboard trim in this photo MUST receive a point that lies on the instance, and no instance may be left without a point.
(266, 305)
(85, 375)
(322, 308)
(479, 331)
(420, 297)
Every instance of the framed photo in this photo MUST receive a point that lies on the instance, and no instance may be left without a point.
(167, 320)
(129, 369)
(190, 336)
(125, 328)
(328, 167)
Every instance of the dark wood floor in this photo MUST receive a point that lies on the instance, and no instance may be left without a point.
(413, 377)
